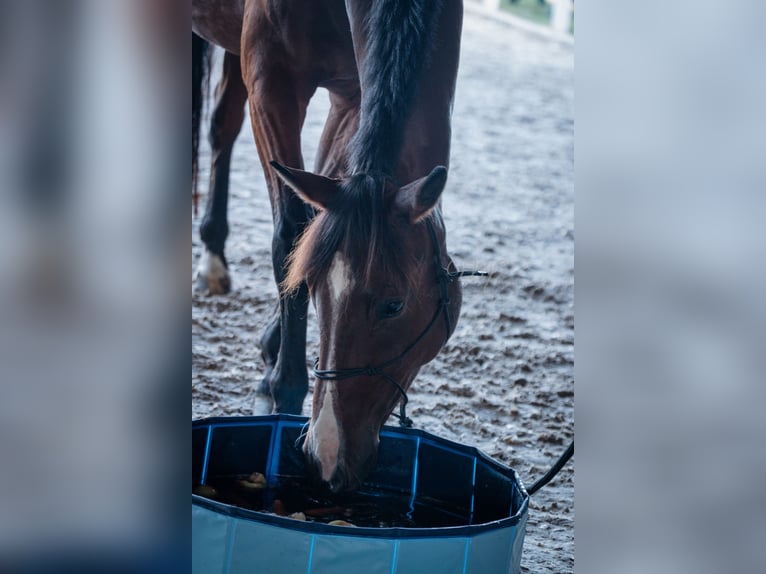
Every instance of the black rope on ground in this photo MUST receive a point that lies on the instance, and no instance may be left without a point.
(553, 471)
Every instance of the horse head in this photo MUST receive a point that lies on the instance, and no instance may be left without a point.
(375, 262)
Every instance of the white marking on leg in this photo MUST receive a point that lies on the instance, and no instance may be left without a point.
(211, 264)
(212, 273)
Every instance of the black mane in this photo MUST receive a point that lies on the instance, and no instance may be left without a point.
(399, 36)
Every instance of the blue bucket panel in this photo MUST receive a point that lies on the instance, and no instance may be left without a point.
(445, 475)
(210, 541)
(490, 553)
(199, 442)
(239, 449)
(345, 554)
(431, 556)
(493, 499)
(497, 551)
(291, 461)
(262, 548)
(520, 530)
(396, 463)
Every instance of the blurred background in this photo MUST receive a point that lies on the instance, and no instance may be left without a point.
(670, 282)
(94, 297)
(94, 294)
(558, 15)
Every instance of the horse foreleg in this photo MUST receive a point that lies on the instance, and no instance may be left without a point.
(226, 122)
(278, 101)
(270, 350)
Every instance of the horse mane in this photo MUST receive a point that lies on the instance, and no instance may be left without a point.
(399, 36)
(359, 229)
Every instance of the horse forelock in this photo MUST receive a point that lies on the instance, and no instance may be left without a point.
(358, 227)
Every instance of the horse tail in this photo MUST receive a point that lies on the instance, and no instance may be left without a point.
(398, 43)
(200, 78)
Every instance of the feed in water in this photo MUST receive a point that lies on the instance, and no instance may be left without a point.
(255, 480)
(205, 490)
(339, 523)
(301, 499)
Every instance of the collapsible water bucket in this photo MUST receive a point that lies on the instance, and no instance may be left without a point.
(411, 463)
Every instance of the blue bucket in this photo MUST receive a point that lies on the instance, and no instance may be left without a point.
(229, 539)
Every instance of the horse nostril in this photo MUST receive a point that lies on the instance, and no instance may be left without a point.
(336, 485)
(344, 480)
(339, 481)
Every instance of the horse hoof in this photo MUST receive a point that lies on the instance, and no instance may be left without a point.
(212, 276)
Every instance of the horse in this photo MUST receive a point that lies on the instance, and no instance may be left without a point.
(362, 236)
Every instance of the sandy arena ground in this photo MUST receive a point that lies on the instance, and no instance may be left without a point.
(505, 380)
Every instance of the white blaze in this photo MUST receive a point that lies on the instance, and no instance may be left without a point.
(326, 439)
(340, 279)
(326, 433)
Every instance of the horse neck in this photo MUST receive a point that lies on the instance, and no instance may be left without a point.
(392, 41)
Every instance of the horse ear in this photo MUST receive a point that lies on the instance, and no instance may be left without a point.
(418, 198)
(316, 190)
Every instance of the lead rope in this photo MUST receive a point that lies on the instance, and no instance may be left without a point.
(554, 470)
(445, 277)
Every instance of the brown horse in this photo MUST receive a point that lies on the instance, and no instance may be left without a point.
(374, 258)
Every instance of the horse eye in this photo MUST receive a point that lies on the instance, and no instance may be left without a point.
(390, 309)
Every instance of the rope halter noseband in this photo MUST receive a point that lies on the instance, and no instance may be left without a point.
(444, 277)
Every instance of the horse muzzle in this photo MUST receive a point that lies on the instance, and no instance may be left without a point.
(344, 471)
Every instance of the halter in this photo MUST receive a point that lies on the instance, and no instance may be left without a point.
(443, 277)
